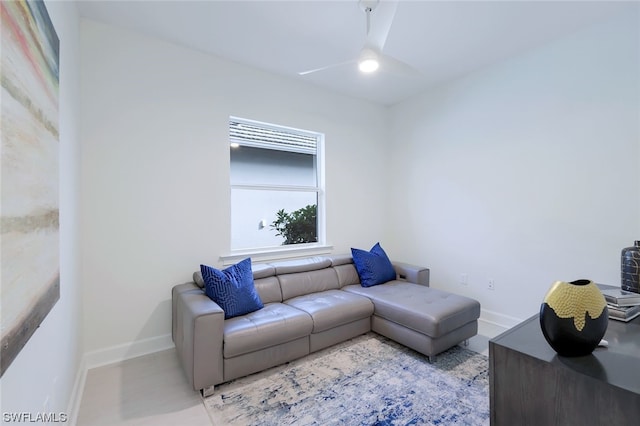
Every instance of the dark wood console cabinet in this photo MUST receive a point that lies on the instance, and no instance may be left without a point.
(530, 384)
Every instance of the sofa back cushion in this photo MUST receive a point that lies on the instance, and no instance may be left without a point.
(300, 265)
(347, 274)
(262, 270)
(301, 283)
(266, 283)
(269, 289)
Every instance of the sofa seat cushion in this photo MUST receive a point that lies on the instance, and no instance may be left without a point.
(332, 308)
(426, 310)
(274, 324)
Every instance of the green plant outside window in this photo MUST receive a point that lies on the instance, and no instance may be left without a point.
(297, 227)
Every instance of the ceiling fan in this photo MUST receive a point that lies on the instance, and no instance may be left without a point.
(371, 57)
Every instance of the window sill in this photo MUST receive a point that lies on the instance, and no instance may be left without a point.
(267, 255)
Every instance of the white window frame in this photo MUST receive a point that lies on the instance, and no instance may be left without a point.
(290, 250)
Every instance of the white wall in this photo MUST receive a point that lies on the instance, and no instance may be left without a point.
(155, 172)
(525, 172)
(45, 374)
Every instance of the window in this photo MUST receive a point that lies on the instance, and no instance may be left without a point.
(276, 186)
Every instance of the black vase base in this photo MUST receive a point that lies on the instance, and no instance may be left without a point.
(566, 339)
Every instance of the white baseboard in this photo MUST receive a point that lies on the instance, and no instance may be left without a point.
(126, 351)
(497, 319)
(76, 393)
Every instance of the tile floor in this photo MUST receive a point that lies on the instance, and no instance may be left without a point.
(148, 390)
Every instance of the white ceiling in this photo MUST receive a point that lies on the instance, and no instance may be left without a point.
(442, 39)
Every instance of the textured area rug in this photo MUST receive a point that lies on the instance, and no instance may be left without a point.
(369, 380)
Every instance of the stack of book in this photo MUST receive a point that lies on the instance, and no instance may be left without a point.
(623, 305)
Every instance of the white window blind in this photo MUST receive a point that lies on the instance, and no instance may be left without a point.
(261, 135)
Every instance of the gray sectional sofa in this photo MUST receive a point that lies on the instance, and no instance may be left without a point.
(311, 304)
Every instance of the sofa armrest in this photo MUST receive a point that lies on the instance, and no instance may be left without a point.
(412, 273)
(198, 330)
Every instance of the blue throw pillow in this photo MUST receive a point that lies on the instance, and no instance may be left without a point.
(232, 288)
(374, 267)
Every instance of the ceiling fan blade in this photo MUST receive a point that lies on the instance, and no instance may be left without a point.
(381, 20)
(396, 66)
(326, 67)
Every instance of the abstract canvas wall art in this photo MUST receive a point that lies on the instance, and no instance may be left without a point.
(29, 225)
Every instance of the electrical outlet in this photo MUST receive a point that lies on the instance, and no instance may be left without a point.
(464, 279)
(492, 284)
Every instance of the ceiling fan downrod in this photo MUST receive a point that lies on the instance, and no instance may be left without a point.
(368, 6)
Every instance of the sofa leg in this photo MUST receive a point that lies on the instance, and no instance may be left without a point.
(465, 343)
(207, 392)
(432, 358)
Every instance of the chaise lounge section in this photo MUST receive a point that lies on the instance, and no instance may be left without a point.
(311, 304)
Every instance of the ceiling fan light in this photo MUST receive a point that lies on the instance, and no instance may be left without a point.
(368, 61)
(368, 65)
